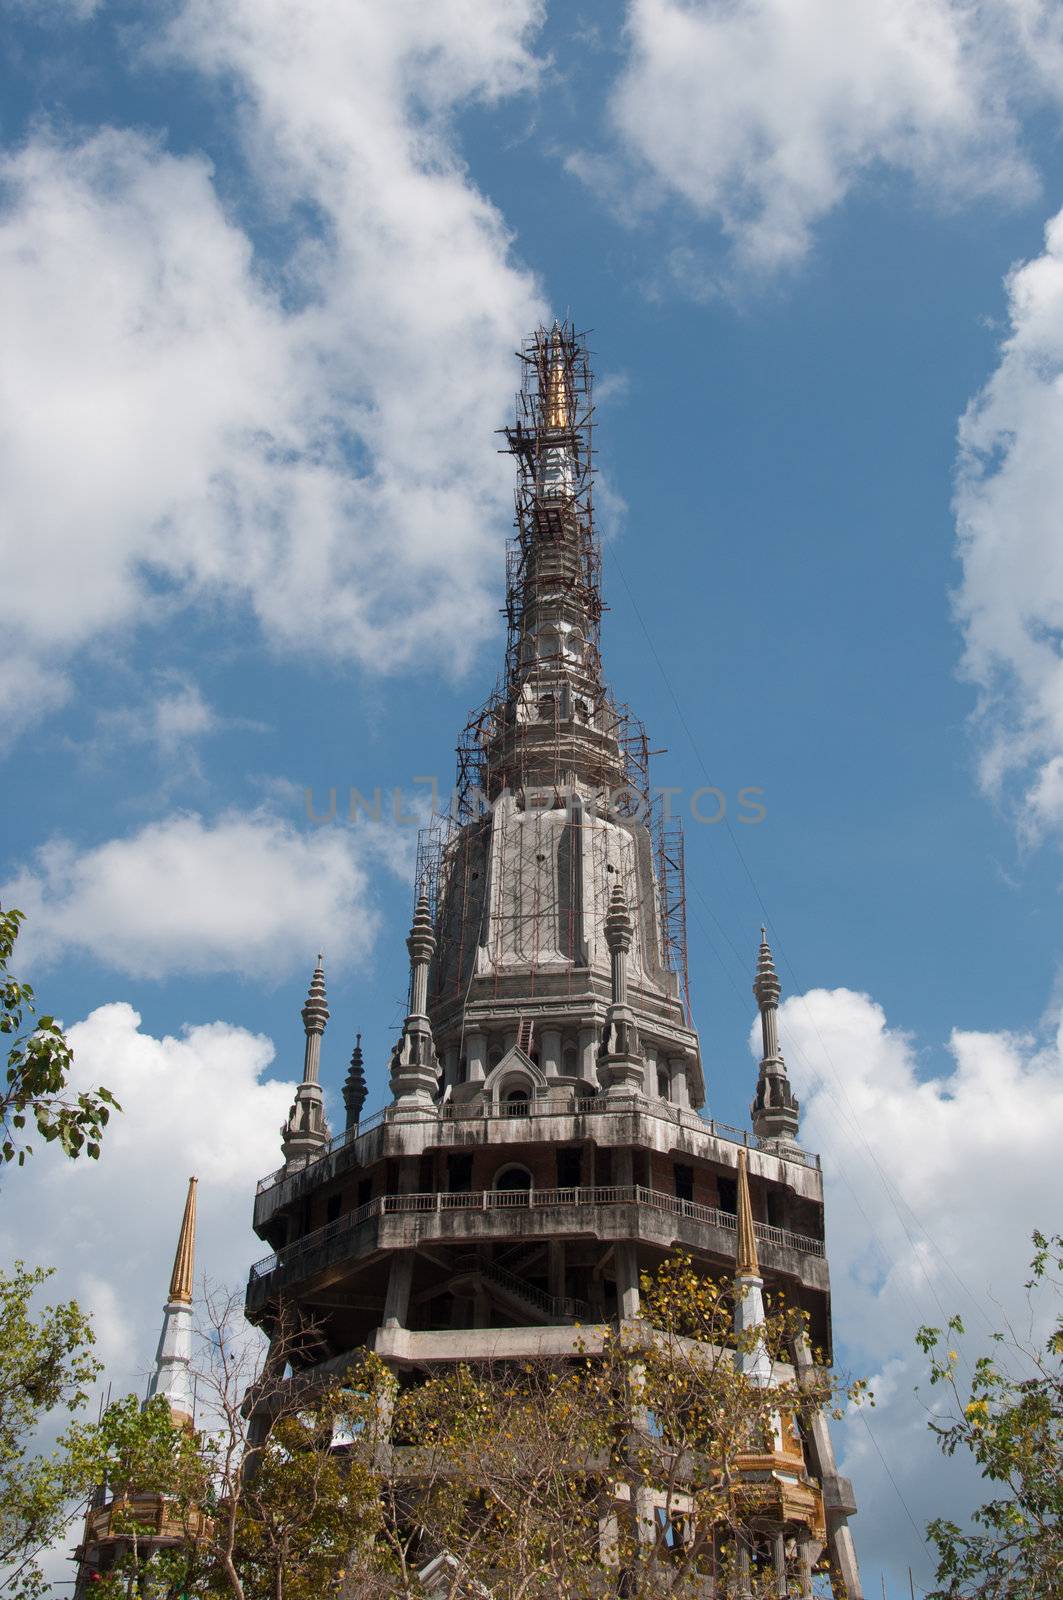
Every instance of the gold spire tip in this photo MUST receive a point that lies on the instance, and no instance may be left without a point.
(747, 1264)
(185, 1259)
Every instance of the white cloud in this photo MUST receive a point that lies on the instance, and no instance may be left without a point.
(317, 447)
(243, 893)
(195, 1105)
(1008, 502)
(764, 114)
(934, 1185)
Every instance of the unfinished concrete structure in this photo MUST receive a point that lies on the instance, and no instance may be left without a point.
(544, 1143)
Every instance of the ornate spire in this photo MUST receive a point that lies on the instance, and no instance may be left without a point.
(747, 1264)
(620, 1062)
(354, 1088)
(414, 1066)
(306, 1129)
(173, 1359)
(184, 1260)
(775, 1109)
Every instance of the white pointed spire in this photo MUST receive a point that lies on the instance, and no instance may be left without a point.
(172, 1376)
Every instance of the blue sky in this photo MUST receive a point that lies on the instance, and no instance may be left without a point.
(264, 270)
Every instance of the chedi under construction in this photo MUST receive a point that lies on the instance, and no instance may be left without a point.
(544, 1144)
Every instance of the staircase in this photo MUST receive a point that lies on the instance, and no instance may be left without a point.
(524, 1296)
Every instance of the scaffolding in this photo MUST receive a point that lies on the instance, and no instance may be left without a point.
(550, 724)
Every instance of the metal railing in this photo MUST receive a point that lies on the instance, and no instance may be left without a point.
(590, 1105)
(525, 1199)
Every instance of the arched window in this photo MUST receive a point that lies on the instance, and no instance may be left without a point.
(546, 707)
(517, 1103)
(662, 1084)
(570, 1061)
(513, 1179)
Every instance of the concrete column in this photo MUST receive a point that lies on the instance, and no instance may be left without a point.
(555, 1253)
(649, 1086)
(400, 1281)
(476, 1056)
(625, 1258)
(550, 1051)
(778, 1556)
(743, 1569)
(680, 1085)
(409, 1174)
(588, 1054)
(623, 1167)
(843, 1558)
(804, 1563)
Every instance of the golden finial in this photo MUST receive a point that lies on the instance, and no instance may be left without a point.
(184, 1260)
(556, 389)
(747, 1265)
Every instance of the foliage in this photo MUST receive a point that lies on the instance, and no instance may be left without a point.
(1013, 1428)
(45, 1365)
(39, 1062)
(518, 1479)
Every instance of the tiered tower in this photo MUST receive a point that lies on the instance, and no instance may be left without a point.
(545, 1142)
(107, 1535)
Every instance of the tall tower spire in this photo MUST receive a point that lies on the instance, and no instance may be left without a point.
(172, 1377)
(775, 1109)
(306, 1129)
(753, 1358)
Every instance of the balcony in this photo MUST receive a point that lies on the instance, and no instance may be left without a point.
(453, 1126)
(406, 1221)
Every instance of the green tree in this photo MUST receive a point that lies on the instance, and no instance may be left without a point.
(39, 1060)
(46, 1364)
(1012, 1427)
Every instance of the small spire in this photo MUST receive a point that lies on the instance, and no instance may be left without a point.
(775, 1109)
(316, 1011)
(355, 1088)
(618, 924)
(748, 1263)
(184, 1261)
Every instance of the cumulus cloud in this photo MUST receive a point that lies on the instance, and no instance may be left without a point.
(241, 893)
(1010, 603)
(195, 1105)
(763, 114)
(309, 438)
(934, 1184)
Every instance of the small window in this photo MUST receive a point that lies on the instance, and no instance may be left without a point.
(569, 1168)
(684, 1181)
(662, 1085)
(728, 1192)
(459, 1173)
(332, 1209)
(365, 1191)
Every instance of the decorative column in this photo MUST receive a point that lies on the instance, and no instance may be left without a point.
(775, 1109)
(550, 1051)
(476, 1056)
(414, 1067)
(173, 1359)
(306, 1131)
(620, 1062)
(354, 1088)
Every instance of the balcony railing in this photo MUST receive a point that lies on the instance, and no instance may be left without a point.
(591, 1105)
(523, 1199)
